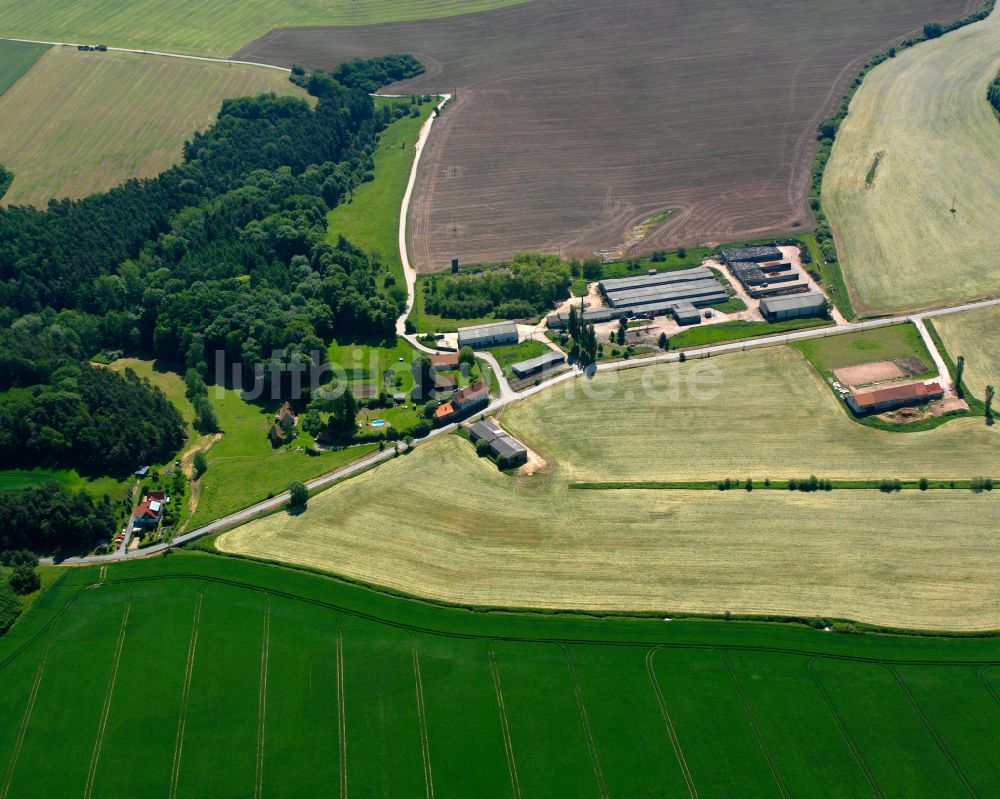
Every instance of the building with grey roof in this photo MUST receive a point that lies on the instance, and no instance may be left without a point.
(793, 306)
(544, 361)
(655, 278)
(766, 253)
(491, 335)
(508, 451)
(486, 430)
(594, 316)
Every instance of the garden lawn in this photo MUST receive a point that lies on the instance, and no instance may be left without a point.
(243, 467)
(70, 479)
(510, 354)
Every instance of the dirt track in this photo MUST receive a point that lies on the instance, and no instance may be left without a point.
(576, 119)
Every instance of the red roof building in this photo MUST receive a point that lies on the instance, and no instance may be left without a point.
(471, 396)
(878, 400)
(445, 360)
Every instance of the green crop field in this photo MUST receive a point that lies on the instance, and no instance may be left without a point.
(16, 58)
(83, 122)
(371, 219)
(471, 534)
(763, 413)
(924, 231)
(195, 675)
(216, 28)
(976, 335)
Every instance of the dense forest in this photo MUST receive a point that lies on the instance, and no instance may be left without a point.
(223, 253)
(527, 286)
(52, 519)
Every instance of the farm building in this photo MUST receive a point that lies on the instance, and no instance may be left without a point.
(505, 449)
(444, 360)
(758, 254)
(768, 280)
(669, 292)
(487, 335)
(793, 306)
(541, 363)
(878, 400)
(593, 316)
(485, 430)
(467, 400)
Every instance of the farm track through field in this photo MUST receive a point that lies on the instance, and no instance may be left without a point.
(175, 771)
(425, 748)
(844, 732)
(986, 684)
(106, 709)
(930, 728)
(668, 723)
(754, 725)
(341, 709)
(585, 719)
(504, 725)
(262, 712)
(50, 628)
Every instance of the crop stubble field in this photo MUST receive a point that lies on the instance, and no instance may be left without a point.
(247, 680)
(78, 122)
(576, 120)
(911, 560)
(976, 335)
(926, 113)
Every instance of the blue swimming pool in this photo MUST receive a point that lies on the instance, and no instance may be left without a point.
(378, 422)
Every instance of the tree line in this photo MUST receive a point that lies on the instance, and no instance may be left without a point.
(50, 519)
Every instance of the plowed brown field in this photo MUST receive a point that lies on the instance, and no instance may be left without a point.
(578, 119)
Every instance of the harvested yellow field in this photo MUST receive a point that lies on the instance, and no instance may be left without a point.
(976, 335)
(920, 140)
(77, 123)
(764, 413)
(440, 523)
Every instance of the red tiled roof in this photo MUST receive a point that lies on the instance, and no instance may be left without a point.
(900, 393)
(444, 410)
(471, 393)
(142, 510)
(158, 496)
(286, 410)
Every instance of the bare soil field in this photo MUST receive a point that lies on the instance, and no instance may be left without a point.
(867, 373)
(576, 120)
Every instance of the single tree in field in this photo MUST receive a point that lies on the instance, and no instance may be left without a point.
(664, 342)
(990, 393)
(959, 370)
(200, 464)
(622, 330)
(298, 496)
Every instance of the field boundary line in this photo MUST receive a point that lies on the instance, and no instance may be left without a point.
(668, 722)
(26, 719)
(106, 709)
(764, 749)
(422, 718)
(930, 728)
(504, 725)
(262, 700)
(442, 633)
(175, 771)
(341, 710)
(986, 683)
(581, 706)
(844, 732)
